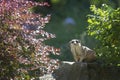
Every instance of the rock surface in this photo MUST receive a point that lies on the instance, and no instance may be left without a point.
(86, 71)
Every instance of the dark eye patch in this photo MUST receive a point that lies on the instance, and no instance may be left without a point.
(77, 41)
(72, 41)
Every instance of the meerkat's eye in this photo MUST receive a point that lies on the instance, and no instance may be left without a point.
(77, 41)
(72, 41)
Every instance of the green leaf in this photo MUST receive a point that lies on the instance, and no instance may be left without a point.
(104, 25)
(90, 21)
(109, 27)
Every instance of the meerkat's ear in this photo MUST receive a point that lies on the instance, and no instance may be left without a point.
(71, 41)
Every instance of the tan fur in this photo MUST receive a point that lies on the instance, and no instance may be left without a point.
(81, 53)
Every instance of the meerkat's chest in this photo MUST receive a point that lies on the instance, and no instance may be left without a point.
(78, 50)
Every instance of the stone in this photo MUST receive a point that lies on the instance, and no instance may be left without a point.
(86, 71)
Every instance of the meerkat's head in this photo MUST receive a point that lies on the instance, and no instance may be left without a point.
(75, 42)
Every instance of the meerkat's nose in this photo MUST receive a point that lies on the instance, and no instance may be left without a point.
(75, 42)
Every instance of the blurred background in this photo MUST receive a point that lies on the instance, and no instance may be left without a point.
(68, 21)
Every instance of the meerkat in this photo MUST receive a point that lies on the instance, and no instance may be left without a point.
(81, 53)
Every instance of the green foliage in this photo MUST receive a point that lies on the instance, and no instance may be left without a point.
(104, 25)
